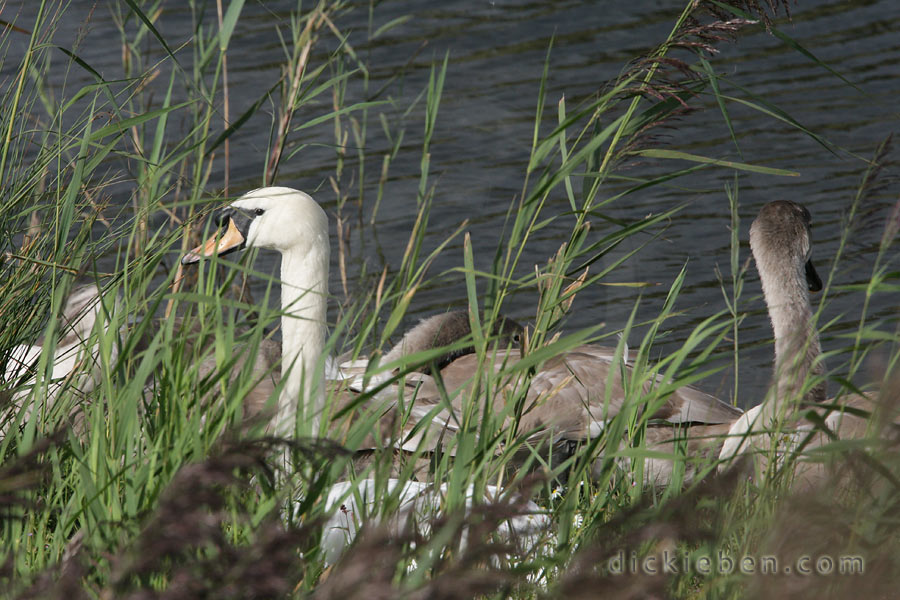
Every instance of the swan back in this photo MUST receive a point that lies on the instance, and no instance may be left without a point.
(351, 504)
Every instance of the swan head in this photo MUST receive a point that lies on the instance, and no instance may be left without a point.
(780, 236)
(278, 218)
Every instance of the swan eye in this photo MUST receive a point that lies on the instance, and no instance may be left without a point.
(259, 211)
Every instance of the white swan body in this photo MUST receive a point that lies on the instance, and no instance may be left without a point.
(352, 503)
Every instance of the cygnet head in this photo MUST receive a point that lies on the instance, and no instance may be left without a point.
(780, 240)
(448, 328)
(278, 218)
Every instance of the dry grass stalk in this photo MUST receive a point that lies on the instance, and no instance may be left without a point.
(293, 79)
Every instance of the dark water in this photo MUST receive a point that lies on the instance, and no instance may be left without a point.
(482, 140)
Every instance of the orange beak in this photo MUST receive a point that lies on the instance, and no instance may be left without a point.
(232, 239)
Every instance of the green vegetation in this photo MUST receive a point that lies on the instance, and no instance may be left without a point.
(150, 483)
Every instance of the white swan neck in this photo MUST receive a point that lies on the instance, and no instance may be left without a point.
(304, 299)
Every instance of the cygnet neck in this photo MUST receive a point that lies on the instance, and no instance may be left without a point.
(797, 347)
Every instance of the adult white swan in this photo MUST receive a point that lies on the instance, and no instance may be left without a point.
(292, 223)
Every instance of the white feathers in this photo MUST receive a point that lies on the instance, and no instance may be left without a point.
(74, 362)
(739, 435)
(350, 504)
